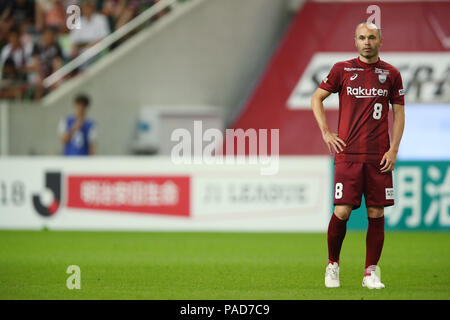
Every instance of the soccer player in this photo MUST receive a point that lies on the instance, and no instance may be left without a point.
(364, 158)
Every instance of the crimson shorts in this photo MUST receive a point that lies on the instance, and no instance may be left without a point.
(353, 179)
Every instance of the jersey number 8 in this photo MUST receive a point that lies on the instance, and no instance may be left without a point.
(377, 108)
(338, 190)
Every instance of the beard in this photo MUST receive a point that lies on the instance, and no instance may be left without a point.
(368, 55)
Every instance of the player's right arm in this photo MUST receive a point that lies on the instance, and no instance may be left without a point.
(330, 139)
(65, 134)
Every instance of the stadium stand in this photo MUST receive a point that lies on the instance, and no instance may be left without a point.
(183, 60)
(35, 40)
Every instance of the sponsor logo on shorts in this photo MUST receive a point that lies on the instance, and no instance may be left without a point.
(401, 92)
(389, 193)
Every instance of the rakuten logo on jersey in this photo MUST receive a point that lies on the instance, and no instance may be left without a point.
(361, 92)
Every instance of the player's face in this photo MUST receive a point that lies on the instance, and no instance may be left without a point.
(367, 41)
(80, 110)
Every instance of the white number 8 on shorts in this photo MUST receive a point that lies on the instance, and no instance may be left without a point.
(338, 190)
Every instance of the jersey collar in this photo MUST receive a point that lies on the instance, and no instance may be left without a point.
(368, 65)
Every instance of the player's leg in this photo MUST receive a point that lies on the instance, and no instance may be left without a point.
(337, 228)
(374, 246)
(374, 238)
(348, 188)
(378, 193)
(347, 196)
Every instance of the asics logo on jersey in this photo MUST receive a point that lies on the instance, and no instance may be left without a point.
(354, 76)
(367, 93)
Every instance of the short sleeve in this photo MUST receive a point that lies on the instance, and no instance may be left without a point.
(62, 127)
(105, 27)
(92, 134)
(332, 82)
(102, 27)
(397, 91)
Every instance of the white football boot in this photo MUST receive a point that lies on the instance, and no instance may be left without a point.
(372, 281)
(332, 276)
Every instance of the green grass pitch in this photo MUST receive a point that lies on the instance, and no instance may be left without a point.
(165, 265)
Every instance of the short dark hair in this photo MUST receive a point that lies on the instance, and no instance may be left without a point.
(14, 30)
(82, 99)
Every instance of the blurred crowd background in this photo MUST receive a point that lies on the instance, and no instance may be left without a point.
(35, 40)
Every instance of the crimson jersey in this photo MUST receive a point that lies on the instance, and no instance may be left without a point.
(365, 91)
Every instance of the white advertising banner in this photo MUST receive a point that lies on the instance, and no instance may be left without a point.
(424, 76)
(105, 193)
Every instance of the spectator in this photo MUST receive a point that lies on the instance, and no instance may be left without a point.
(118, 12)
(18, 14)
(50, 13)
(47, 58)
(94, 28)
(78, 133)
(5, 24)
(16, 51)
(12, 86)
(19, 11)
(23, 21)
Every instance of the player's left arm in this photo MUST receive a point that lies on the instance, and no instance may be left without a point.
(388, 160)
(92, 149)
(92, 139)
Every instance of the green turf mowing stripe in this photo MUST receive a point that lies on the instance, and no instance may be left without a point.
(165, 265)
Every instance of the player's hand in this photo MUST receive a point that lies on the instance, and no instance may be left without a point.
(388, 161)
(77, 125)
(333, 141)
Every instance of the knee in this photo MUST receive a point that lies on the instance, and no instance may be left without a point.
(375, 212)
(343, 211)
